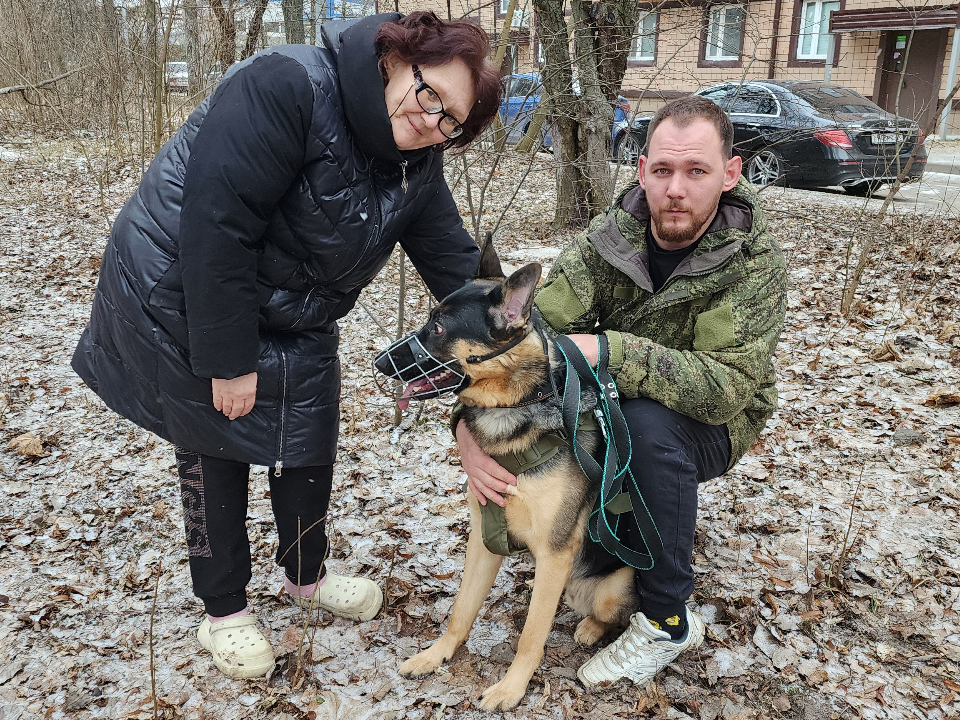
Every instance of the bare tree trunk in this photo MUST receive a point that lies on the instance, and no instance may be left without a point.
(581, 123)
(111, 62)
(191, 29)
(153, 76)
(253, 31)
(293, 20)
(227, 47)
(596, 113)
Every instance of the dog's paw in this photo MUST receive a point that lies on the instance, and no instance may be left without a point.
(502, 696)
(589, 631)
(421, 664)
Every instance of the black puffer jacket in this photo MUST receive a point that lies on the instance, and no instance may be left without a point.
(255, 229)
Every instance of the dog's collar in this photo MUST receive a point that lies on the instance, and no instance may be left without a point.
(475, 359)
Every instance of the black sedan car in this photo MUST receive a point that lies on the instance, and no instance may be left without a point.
(807, 134)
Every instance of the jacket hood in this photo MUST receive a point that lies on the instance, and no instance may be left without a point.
(738, 210)
(361, 87)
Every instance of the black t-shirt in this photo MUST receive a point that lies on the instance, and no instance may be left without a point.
(663, 262)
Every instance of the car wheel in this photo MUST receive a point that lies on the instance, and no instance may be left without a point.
(864, 189)
(628, 149)
(541, 145)
(765, 168)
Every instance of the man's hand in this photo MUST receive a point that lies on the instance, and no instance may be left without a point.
(235, 398)
(485, 476)
(590, 347)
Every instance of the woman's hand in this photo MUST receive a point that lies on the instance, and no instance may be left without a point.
(486, 478)
(235, 398)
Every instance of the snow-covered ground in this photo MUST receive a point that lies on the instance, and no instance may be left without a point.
(828, 561)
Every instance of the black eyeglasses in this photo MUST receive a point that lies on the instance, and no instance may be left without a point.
(431, 103)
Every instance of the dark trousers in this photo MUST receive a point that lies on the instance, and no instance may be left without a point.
(214, 494)
(672, 455)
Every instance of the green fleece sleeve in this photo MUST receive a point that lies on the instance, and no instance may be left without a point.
(731, 358)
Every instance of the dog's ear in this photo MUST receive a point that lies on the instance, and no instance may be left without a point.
(518, 289)
(489, 260)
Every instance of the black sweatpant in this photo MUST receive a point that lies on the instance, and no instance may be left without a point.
(214, 494)
(672, 455)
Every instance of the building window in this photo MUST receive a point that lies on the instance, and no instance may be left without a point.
(644, 44)
(724, 33)
(814, 30)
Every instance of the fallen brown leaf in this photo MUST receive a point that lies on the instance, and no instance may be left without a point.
(29, 445)
(887, 351)
(942, 398)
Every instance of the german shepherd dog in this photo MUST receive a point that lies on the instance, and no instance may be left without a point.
(481, 343)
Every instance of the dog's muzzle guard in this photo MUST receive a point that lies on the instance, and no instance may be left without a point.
(409, 361)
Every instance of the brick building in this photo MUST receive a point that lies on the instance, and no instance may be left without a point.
(684, 45)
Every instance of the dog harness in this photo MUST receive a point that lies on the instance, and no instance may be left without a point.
(493, 519)
(616, 500)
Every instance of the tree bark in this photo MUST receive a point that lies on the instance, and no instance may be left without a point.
(153, 76)
(293, 21)
(112, 62)
(581, 122)
(253, 31)
(191, 31)
(227, 46)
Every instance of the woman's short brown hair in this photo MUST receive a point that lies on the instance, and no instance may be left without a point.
(421, 38)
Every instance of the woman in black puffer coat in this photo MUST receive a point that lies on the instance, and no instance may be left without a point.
(253, 231)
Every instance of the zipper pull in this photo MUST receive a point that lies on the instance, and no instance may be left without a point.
(278, 468)
(403, 176)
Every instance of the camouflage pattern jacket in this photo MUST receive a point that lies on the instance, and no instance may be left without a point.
(703, 344)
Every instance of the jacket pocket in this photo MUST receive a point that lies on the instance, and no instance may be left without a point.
(168, 305)
(714, 329)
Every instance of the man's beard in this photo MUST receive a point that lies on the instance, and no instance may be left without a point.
(672, 233)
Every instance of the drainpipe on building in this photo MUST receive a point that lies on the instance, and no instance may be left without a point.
(831, 49)
(772, 68)
(951, 79)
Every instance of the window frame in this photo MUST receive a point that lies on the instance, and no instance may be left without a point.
(635, 61)
(818, 23)
(793, 59)
(725, 60)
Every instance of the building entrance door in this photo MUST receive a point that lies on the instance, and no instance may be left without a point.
(920, 90)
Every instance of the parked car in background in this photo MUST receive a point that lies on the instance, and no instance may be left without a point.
(175, 76)
(522, 96)
(808, 134)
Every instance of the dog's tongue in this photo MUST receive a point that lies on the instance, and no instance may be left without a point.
(408, 392)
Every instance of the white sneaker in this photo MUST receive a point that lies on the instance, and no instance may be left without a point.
(640, 652)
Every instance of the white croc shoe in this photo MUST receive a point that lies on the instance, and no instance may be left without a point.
(238, 647)
(641, 652)
(348, 597)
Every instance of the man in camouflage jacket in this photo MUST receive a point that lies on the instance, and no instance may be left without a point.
(702, 344)
(690, 291)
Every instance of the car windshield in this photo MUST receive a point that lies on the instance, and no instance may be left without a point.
(523, 87)
(830, 101)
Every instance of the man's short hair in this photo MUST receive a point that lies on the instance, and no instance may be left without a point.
(693, 107)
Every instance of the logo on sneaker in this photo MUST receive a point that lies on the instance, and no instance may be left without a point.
(674, 621)
(655, 623)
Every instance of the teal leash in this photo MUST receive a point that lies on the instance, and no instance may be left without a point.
(614, 476)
